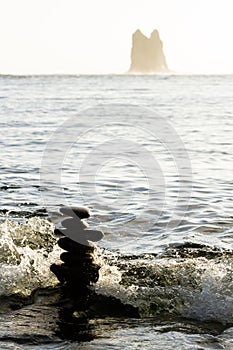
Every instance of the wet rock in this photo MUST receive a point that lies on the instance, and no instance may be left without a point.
(75, 247)
(78, 269)
(74, 259)
(82, 213)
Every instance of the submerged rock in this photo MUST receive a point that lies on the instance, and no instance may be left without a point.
(147, 54)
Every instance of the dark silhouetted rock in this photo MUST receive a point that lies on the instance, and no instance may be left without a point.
(147, 54)
(82, 213)
(79, 270)
(75, 247)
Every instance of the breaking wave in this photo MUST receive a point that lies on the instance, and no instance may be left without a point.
(26, 252)
(191, 281)
(197, 287)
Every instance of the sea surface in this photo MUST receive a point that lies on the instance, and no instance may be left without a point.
(152, 157)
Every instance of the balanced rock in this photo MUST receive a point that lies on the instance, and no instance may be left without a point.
(78, 269)
(82, 213)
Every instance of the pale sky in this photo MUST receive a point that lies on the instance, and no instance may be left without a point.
(94, 36)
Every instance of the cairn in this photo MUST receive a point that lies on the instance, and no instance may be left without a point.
(78, 269)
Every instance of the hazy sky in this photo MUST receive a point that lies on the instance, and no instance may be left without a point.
(94, 36)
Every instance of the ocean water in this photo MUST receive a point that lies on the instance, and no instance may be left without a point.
(151, 156)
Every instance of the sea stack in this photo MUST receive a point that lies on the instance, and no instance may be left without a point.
(147, 54)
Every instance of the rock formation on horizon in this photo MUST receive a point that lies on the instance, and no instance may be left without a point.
(147, 54)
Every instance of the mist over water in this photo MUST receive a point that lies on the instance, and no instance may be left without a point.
(167, 249)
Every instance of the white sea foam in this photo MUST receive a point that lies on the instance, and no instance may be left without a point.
(27, 251)
(195, 288)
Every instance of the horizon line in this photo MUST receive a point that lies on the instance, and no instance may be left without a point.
(167, 74)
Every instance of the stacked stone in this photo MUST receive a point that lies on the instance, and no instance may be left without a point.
(78, 269)
(76, 273)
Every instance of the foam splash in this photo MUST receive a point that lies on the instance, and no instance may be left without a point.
(214, 301)
(26, 252)
(195, 288)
